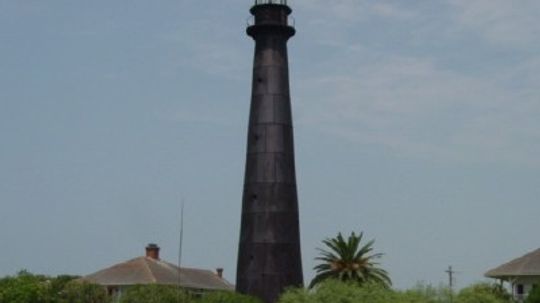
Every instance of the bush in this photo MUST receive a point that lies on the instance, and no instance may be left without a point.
(28, 288)
(81, 292)
(25, 288)
(154, 294)
(342, 292)
(58, 284)
(428, 293)
(227, 297)
(333, 291)
(534, 295)
(482, 293)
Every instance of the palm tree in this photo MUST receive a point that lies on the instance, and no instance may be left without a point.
(347, 261)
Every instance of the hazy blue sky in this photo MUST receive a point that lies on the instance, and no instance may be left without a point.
(416, 122)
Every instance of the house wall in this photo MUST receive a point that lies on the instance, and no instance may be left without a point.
(527, 282)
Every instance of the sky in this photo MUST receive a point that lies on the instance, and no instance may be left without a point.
(416, 122)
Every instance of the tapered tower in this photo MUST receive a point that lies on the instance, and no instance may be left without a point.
(269, 252)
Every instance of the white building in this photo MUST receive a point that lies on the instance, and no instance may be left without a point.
(522, 273)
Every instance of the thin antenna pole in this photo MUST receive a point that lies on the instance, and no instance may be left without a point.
(181, 239)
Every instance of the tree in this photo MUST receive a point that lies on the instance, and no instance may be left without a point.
(346, 260)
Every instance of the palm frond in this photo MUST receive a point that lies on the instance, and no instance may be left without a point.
(348, 260)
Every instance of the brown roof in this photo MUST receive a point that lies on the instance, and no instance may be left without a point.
(528, 265)
(146, 270)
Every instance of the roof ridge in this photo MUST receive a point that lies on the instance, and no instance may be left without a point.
(188, 268)
(152, 277)
(113, 266)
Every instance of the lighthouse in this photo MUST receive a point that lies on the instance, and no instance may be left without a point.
(269, 258)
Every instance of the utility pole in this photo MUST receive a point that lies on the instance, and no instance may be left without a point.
(451, 273)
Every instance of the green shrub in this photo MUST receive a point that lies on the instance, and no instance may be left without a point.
(28, 288)
(227, 297)
(482, 293)
(534, 295)
(58, 284)
(428, 293)
(81, 292)
(333, 291)
(154, 294)
(25, 288)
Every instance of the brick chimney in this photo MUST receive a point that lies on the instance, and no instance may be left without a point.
(152, 251)
(219, 272)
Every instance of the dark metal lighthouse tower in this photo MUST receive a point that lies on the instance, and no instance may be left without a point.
(269, 252)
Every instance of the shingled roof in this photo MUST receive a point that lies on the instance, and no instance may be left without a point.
(527, 265)
(152, 270)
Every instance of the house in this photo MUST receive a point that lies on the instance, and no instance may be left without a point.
(522, 273)
(150, 269)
